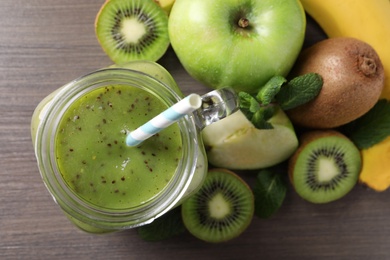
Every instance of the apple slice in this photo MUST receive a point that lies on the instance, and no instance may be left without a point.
(235, 143)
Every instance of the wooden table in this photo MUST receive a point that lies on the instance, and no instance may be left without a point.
(47, 43)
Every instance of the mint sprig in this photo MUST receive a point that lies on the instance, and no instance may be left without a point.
(269, 191)
(255, 112)
(371, 128)
(278, 91)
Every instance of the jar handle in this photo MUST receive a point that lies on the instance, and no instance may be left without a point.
(216, 105)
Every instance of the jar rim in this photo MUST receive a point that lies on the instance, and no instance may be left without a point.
(105, 217)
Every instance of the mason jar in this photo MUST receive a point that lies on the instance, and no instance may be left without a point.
(101, 184)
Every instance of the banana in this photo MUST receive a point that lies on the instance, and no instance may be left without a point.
(369, 21)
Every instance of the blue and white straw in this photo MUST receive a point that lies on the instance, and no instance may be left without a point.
(182, 108)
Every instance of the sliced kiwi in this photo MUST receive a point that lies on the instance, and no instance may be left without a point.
(325, 167)
(132, 30)
(221, 210)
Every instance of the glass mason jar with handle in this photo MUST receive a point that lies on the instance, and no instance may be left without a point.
(101, 184)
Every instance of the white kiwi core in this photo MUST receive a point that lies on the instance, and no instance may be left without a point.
(218, 206)
(132, 30)
(327, 169)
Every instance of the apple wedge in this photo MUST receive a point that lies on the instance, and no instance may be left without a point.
(235, 143)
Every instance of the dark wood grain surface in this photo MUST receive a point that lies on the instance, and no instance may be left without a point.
(47, 43)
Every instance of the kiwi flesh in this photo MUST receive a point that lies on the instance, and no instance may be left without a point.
(353, 79)
(221, 210)
(325, 167)
(132, 30)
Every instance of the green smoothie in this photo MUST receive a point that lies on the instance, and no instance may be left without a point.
(94, 159)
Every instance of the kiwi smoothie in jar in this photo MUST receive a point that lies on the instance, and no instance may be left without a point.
(79, 133)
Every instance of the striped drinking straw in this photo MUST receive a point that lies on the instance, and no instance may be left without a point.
(182, 108)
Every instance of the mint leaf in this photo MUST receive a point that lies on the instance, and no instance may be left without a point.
(268, 92)
(371, 128)
(299, 90)
(254, 105)
(255, 111)
(164, 227)
(269, 191)
(252, 109)
(260, 118)
(247, 102)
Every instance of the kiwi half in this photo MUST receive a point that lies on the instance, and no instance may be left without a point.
(325, 167)
(132, 30)
(221, 210)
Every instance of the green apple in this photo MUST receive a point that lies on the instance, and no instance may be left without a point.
(235, 143)
(240, 44)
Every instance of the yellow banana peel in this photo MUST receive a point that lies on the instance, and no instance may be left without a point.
(369, 21)
(375, 171)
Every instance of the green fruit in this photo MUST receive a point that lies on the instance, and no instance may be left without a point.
(325, 167)
(240, 44)
(235, 143)
(132, 30)
(153, 69)
(221, 210)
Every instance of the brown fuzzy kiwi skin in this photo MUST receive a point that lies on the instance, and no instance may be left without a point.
(305, 139)
(353, 79)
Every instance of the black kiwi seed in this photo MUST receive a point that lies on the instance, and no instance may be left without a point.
(325, 167)
(132, 30)
(221, 210)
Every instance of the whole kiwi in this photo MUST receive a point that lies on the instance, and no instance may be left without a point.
(353, 79)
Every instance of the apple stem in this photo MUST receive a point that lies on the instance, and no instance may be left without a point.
(243, 22)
